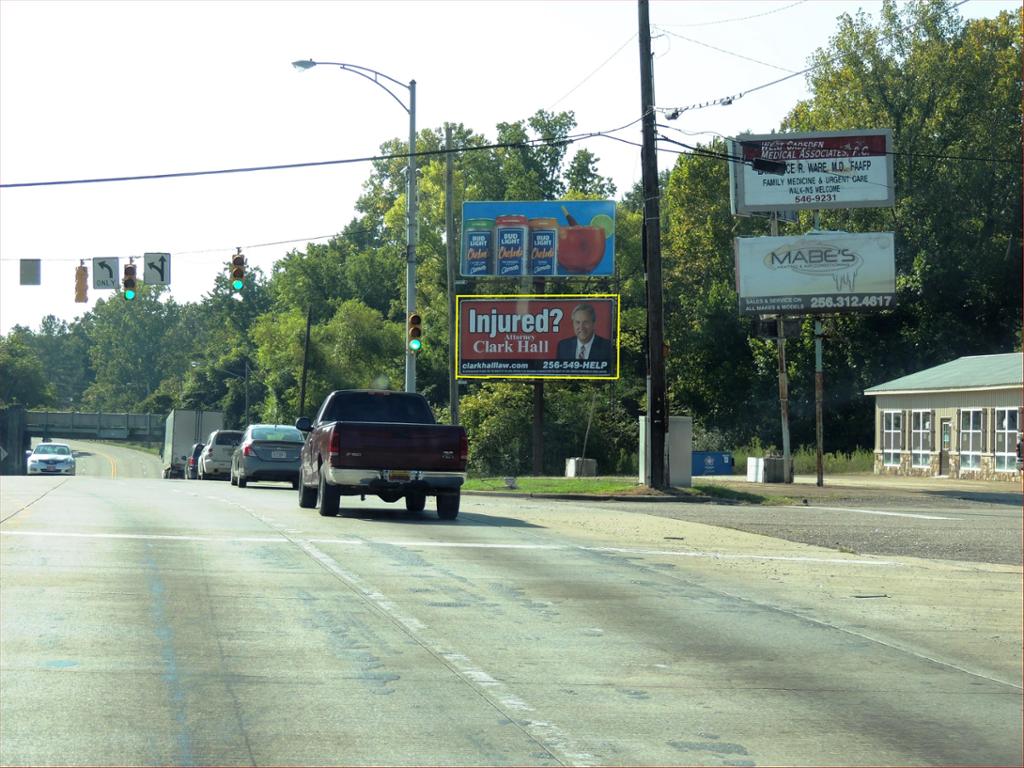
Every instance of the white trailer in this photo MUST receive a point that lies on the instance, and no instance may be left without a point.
(184, 429)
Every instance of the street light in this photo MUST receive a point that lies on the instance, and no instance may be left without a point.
(410, 198)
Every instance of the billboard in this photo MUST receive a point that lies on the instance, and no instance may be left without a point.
(515, 238)
(841, 169)
(817, 273)
(544, 336)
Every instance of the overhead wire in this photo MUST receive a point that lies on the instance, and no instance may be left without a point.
(598, 69)
(674, 112)
(723, 50)
(741, 18)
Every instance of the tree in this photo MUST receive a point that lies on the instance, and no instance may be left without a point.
(582, 177)
(23, 378)
(951, 92)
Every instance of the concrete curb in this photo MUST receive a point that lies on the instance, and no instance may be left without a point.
(595, 497)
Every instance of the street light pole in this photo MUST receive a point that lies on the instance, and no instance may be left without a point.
(411, 190)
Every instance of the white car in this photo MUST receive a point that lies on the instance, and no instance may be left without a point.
(215, 460)
(51, 459)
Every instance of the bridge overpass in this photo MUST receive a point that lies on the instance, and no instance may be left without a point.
(18, 426)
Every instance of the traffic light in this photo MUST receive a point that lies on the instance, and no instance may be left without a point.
(415, 333)
(128, 282)
(238, 271)
(81, 284)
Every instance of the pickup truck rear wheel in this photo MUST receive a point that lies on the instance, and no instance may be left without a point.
(448, 505)
(415, 502)
(328, 498)
(307, 496)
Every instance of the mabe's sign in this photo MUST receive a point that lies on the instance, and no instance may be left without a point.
(550, 336)
(817, 273)
(845, 169)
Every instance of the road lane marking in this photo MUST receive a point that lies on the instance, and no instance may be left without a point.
(547, 735)
(282, 539)
(879, 512)
(109, 458)
(151, 537)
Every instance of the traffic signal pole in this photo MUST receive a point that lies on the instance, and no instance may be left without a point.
(410, 239)
(652, 261)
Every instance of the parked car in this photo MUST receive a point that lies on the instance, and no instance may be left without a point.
(51, 459)
(267, 452)
(215, 460)
(192, 462)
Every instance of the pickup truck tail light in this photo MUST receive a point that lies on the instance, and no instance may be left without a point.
(335, 444)
(247, 449)
(463, 448)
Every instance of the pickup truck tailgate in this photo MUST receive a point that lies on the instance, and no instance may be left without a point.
(378, 445)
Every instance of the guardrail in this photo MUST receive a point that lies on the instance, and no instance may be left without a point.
(101, 426)
(18, 427)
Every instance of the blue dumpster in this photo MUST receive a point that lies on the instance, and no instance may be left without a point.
(711, 463)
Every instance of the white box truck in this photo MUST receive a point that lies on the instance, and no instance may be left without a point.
(184, 429)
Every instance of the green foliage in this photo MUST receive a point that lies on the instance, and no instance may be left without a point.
(951, 92)
(497, 416)
(23, 379)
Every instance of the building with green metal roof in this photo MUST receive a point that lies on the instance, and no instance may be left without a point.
(960, 419)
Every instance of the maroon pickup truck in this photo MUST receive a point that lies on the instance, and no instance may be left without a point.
(375, 442)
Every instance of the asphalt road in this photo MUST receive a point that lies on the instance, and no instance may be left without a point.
(182, 623)
(914, 525)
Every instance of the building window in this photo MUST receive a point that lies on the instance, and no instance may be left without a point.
(1007, 429)
(892, 437)
(921, 438)
(970, 439)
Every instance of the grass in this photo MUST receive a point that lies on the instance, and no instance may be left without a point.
(152, 448)
(613, 486)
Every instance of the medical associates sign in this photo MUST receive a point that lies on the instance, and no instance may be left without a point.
(843, 169)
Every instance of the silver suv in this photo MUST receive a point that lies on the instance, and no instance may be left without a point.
(215, 460)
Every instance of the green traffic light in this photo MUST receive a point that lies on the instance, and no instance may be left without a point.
(415, 345)
(237, 285)
(129, 295)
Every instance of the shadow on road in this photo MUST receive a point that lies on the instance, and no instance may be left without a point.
(428, 517)
(1010, 498)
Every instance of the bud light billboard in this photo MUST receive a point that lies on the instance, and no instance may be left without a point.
(562, 238)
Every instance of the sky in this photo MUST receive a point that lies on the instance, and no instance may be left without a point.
(96, 90)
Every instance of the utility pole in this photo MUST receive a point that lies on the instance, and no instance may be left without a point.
(305, 362)
(819, 395)
(787, 461)
(652, 260)
(449, 224)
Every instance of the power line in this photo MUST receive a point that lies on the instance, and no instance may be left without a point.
(741, 18)
(723, 50)
(319, 163)
(674, 112)
(599, 68)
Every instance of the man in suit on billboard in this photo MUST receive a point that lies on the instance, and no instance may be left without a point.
(584, 344)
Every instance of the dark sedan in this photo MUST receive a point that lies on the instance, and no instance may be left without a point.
(267, 452)
(192, 464)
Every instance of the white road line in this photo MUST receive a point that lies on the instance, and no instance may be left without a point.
(450, 544)
(149, 537)
(879, 512)
(546, 734)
